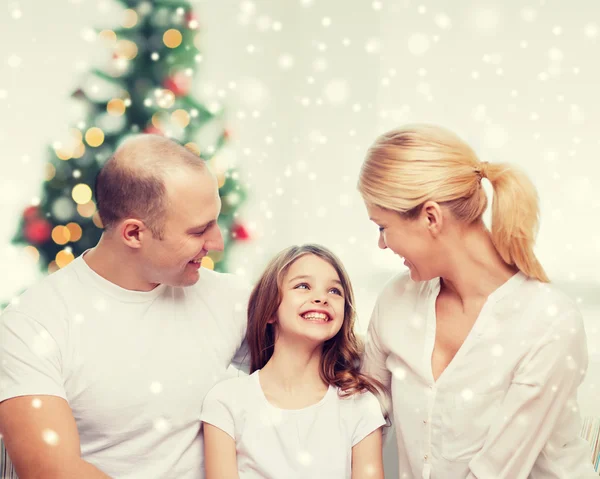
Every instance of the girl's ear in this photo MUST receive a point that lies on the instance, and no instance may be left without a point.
(272, 320)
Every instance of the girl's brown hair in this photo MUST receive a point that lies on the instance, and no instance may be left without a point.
(341, 355)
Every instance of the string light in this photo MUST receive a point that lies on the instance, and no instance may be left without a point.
(79, 150)
(181, 118)
(87, 210)
(130, 18)
(63, 258)
(115, 107)
(158, 120)
(126, 49)
(61, 235)
(172, 38)
(50, 171)
(193, 147)
(97, 221)
(221, 178)
(62, 153)
(108, 35)
(33, 253)
(208, 263)
(75, 232)
(94, 136)
(164, 98)
(81, 193)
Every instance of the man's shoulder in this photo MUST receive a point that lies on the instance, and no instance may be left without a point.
(222, 284)
(46, 295)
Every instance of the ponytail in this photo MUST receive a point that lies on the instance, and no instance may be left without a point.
(515, 217)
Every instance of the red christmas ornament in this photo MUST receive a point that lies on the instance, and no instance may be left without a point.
(30, 213)
(191, 17)
(179, 84)
(38, 231)
(153, 130)
(227, 134)
(240, 232)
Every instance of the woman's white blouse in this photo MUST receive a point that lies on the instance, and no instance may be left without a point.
(506, 406)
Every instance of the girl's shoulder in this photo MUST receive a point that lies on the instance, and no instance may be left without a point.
(360, 402)
(234, 387)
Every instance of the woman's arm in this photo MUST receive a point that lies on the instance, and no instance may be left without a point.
(537, 400)
(374, 358)
(220, 461)
(367, 457)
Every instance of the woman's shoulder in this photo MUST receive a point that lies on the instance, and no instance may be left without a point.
(548, 298)
(549, 305)
(402, 288)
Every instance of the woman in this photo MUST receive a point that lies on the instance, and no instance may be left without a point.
(482, 355)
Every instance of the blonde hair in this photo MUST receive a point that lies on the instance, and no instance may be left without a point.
(406, 167)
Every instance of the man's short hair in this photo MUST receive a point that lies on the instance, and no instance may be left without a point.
(131, 183)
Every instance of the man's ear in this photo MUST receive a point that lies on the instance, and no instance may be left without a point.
(133, 232)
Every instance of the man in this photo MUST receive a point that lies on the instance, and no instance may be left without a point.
(105, 363)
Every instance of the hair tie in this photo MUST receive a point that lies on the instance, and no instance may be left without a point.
(481, 170)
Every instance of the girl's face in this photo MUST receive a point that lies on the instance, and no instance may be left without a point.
(312, 301)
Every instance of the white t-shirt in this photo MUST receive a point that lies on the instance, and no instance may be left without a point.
(133, 366)
(310, 443)
(506, 406)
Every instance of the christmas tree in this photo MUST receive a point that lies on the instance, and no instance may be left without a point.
(145, 88)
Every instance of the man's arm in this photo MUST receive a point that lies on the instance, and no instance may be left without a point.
(41, 439)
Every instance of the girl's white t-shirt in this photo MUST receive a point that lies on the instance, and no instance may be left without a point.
(271, 443)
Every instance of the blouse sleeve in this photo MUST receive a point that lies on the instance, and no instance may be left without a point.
(540, 393)
(375, 356)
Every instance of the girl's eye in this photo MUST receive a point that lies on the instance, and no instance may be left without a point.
(336, 291)
(381, 228)
(302, 286)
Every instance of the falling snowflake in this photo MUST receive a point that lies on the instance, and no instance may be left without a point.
(467, 394)
(50, 437)
(156, 387)
(336, 91)
(304, 458)
(418, 44)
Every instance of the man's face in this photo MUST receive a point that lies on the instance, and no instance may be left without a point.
(190, 229)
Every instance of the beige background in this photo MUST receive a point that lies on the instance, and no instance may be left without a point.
(308, 84)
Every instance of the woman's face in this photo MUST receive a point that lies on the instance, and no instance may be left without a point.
(411, 239)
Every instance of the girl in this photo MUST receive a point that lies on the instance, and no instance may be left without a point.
(482, 354)
(305, 411)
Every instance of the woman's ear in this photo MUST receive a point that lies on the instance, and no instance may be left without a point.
(433, 217)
